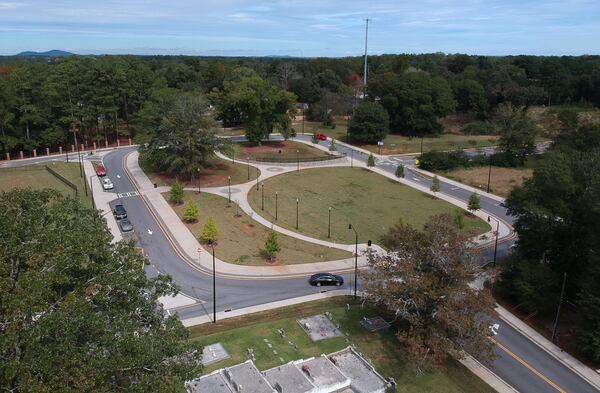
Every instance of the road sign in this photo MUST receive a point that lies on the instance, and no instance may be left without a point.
(417, 161)
(379, 143)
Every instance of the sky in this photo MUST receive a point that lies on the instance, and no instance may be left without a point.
(305, 28)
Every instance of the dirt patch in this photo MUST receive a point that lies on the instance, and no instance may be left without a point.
(502, 180)
(453, 124)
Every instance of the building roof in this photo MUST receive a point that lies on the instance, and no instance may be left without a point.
(245, 377)
(322, 373)
(212, 383)
(289, 378)
(363, 376)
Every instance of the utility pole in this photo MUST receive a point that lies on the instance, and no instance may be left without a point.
(366, 70)
(560, 302)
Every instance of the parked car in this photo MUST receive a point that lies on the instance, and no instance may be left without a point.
(107, 184)
(126, 225)
(119, 212)
(321, 137)
(100, 170)
(326, 279)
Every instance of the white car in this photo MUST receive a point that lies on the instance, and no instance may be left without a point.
(107, 184)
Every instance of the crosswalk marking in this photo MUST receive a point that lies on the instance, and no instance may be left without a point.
(128, 194)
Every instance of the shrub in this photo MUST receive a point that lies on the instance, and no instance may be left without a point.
(272, 246)
(332, 146)
(435, 185)
(176, 193)
(400, 170)
(474, 203)
(191, 213)
(478, 128)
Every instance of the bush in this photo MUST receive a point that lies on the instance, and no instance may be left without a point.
(176, 193)
(332, 146)
(191, 213)
(272, 246)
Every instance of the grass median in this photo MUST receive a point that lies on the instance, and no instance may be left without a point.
(241, 239)
(383, 349)
(37, 177)
(370, 202)
(276, 151)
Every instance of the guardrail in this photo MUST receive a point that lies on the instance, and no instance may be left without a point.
(63, 179)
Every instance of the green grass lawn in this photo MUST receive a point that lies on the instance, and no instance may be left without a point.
(215, 174)
(383, 349)
(37, 177)
(370, 202)
(398, 144)
(242, 239)
(276, 151)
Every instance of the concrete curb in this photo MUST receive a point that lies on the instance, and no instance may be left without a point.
(586, 373)
(486, 375)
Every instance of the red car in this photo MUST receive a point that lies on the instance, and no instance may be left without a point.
(100, 170)
(321, 137)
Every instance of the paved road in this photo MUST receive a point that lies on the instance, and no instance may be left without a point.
(520, 362)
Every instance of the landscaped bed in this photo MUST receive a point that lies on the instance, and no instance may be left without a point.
(383, 349)
(277, 151)
(214, 174)
(241, 240)
(370, 202)
(37, 177)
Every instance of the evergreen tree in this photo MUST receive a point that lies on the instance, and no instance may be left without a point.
(176, 193)
(191, 212)
(474, 203)
(435, 185)
(210, 232)
(400, 170)
(272, 246)
(371, 160)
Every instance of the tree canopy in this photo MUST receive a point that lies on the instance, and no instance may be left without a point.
(369, 124)
(77, 312)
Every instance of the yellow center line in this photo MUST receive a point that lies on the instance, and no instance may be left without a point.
(529, 367)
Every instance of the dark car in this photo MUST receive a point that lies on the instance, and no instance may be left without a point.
(126, 225)
(326, 279)
(321, 137)
(119, 212)
(100, 170)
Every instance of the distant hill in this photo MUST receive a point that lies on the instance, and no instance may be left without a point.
(50, 53)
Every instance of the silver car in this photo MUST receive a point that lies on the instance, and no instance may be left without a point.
(126, 225)
(107, 184)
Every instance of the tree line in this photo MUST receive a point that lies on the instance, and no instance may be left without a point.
(106, 97)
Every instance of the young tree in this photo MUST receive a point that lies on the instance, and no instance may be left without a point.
(424, 280)
(332, 145)
(191, 212)
(474, 203)
(210, 232)
(272, 246)
(369, 124)
(78, 313)
(435, 185)
(400, 170)
(176, 193)
(371, 160)
(459, 218)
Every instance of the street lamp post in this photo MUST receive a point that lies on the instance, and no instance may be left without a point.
(276, 205)
(92, 192)
(421, 144)
(351, 158)
(496, 244)
(248, 160)
(256, 178)
(262, 196)
(198, 180)
(329, 224)
(297, 160)
(229, 189)
(355, 257)
(297, 211)
(489, 175)
(212, 246)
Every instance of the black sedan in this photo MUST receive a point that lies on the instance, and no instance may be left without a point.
(119, 212)
(326, 279)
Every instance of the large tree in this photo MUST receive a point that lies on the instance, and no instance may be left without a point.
(186, 138)
(424, 280)
(78, 313)
(369, 124)
(261, 106)
(517, 131)
(414, 101)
